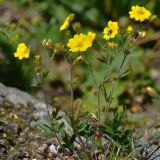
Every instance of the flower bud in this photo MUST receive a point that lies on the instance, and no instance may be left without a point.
(142, 34)
(58, 47)
(129, 29)
(47, 43)
(76, 26)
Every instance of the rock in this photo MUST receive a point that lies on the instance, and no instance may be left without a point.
(149, 145)
(53, 149)
(19, 98)
(22, 112)
(2, 150)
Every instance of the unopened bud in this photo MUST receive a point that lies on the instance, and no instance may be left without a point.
(129, 29)
(112, 45)
(58, 47)
(80, 58)
(37, 69)
(37, 60)
(76, 26)
(142, 34)
(47, 43)
(153, 17)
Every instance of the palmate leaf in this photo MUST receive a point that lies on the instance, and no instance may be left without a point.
(107, 129)
(67, 139)
(82, 127)
(45, 127)
(61, 126)
(72, 138)
(117, 121)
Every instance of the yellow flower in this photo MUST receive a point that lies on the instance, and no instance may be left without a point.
(91, 36)
(139, 13)
(22, 51)
(129, 29)
(67, 22)
(111, 30)
(112, 45)
(81, 42)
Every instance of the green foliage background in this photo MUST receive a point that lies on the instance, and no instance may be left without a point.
(31, 21)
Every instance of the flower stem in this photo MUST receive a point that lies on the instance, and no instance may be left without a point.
(70, 67)
(97, 89)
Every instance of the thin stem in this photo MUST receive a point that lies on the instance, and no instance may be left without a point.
(70, 67)
(107, 69)
(99, 48)
(98, 90)
(45, 98)
(54, 131)
(50, 59)
(113, 86)
(99, 103)
(71, 87)
(109, 99)
(106, 78)
(92, 73)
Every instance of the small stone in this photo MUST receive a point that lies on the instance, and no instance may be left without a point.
(4, 135)
(52, 149)
(3, 151)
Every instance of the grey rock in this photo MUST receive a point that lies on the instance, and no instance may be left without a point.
(53, 149)
(20, 98)
(149, 148)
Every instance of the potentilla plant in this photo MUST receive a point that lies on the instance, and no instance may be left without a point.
(89, 136)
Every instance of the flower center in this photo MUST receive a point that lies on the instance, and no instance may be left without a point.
(109, 32)
(140, 12)
(79, 45)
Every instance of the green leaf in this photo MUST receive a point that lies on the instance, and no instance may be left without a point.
(45, 74)
(103, 60)
(44, 126)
